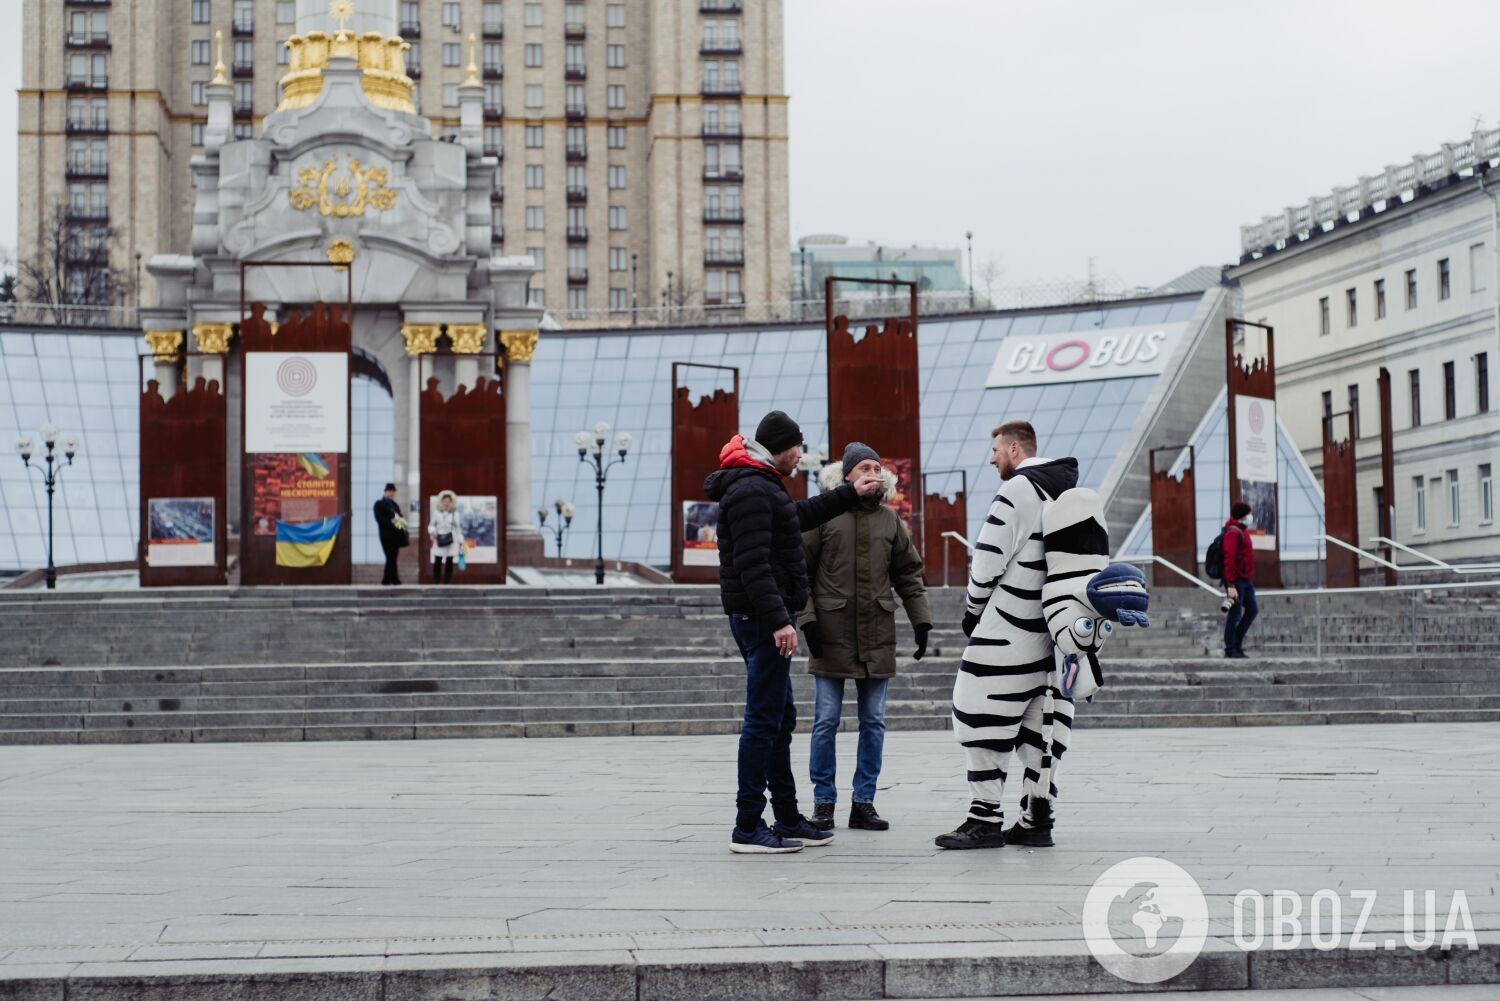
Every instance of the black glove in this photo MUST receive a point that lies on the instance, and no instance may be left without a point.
(970, 621)
(814, 637)
(921, 632)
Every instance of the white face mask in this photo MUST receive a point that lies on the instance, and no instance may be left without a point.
(1250, 520)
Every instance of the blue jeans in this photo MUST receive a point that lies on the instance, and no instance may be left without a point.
(1241, 614)
(826, 711)
(766, 734)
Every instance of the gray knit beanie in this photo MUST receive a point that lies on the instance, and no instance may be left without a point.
(856, 452)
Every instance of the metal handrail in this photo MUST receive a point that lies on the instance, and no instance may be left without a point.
(1466, 568)
(968, 548)
(1162, 561)
(1360, 552)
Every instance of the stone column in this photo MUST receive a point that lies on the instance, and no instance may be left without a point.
(421, 339)
(210, 339)
(468, 341)
(166, 350)
(522, 535)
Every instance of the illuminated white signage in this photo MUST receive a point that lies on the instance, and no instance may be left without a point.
(1084, 355)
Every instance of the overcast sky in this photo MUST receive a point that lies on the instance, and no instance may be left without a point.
(1138, 132)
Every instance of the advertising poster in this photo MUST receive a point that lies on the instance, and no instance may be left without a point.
(296, 402)
(181, 532)
(479, 521)
(293, 487)
(901, 500)
(700, 534)
(1255, 463)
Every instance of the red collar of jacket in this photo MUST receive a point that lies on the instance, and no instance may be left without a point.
(735, 455)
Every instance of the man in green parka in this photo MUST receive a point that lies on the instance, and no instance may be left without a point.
(853, 562)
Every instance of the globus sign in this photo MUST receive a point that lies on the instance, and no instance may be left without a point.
(1084, 355)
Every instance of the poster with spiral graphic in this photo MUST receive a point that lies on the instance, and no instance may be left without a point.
(296, 402)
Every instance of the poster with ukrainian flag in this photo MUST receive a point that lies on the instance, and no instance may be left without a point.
(308, 543)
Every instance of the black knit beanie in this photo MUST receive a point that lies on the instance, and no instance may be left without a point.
(856, 452)
(778, 432)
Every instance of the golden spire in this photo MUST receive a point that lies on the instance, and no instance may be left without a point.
(342, 11)
(472, 80)
(218, 59)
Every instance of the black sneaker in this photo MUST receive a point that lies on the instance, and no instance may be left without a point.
(822, 816)
(804, 832)
(1235, 654)
(862, 817)
(761, 841)
(972, 834)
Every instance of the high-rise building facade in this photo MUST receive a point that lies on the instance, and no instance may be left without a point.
(643, 144)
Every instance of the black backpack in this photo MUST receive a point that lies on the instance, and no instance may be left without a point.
(1213, 560)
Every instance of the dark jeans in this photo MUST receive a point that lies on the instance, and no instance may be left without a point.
(766, 734)
(442, 570)
(1240, 615)
(391, 549)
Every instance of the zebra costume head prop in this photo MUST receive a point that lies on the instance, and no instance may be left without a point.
(1085, 596)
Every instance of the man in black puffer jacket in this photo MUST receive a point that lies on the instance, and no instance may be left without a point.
(762, 583)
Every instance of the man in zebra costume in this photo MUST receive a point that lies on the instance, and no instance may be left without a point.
(1001, 690)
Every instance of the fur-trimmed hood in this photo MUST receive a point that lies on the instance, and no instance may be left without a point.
(833, 474)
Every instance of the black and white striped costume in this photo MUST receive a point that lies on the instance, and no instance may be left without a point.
(999, 696)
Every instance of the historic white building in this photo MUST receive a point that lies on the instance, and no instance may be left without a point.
(1397, 271)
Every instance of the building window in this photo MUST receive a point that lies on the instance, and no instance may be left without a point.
(615, 55)
(1482, 382)
(534, 136)
(244, 130)
(450, 95)
(286, 12)
(1323, 321)
(452, 53)
(1354, 408)
(1445, 286)
(577, 221)
(577, 141)
(1486, 495)
(535, 217)
(573, 96)
(200, 92)
(536, 297)
(283, 55)
(493, 17)
(244, 96)
(1414, 381)
(492, 140)
(1478, 268)
(452, 15)
(533, 54)
(1351, 307)
(617, 217)
(614, 15)
(200, 11)
(244, 15)
(197, 133)
(713, 288)
(615, 136)
(578, 261)
(1411, 289)
(533, 95)
(619, 298)
(413, 57)
(578, 298)
(573, 56)
(539, 255)
(533, 15)
(1450, 392)
(576, 179)
(1380, 298)
(733, 293)
(492, 98)
(1419, 505)
(1453, 498)
(616, 176)
(411, 15)
(200, 52)
(615, 97)
(536, 175)
(1327, 404)
(619, 259)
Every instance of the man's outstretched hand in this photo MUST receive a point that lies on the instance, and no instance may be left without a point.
(868, 485)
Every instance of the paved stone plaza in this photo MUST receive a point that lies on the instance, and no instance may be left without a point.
(605, 861)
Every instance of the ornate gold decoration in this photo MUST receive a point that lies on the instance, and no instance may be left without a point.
(212, 338)
(420, 338)
(467, 338)
(345, 196)
(472, 78)
(381, 60)
(219, 59)
(164, 344)
(519, 344)
(341, 11)
(341, 252)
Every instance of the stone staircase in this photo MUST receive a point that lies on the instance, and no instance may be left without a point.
(377, 663)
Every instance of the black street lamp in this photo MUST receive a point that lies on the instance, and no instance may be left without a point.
(591, 446)
(565, 512)
(969, 236)
(24, 445)
(632, 288)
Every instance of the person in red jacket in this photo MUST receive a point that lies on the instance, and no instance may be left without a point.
(1239, 578)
